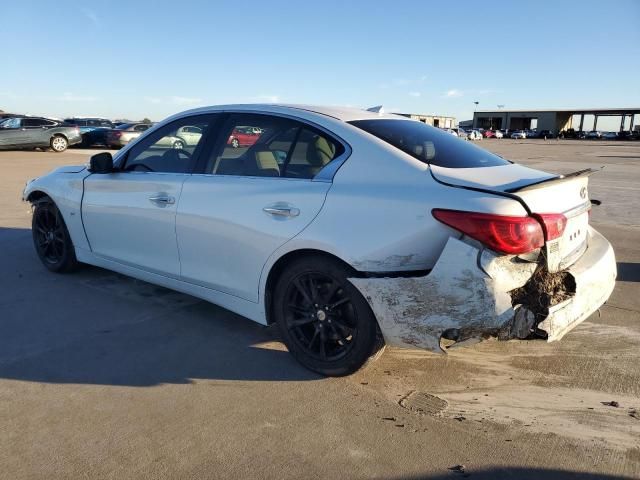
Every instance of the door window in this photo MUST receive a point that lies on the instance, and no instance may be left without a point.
(141, 128)
(268, 146)
(34, 122)
(11, 123)
(165, 150)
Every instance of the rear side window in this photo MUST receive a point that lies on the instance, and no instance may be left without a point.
(430, 145)
(268, 146)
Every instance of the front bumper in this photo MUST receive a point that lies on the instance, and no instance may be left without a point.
(466, 295)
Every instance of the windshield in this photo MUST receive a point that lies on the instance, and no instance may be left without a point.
(429, 144)
(124, 126)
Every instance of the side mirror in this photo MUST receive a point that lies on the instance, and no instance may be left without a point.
(101, 163)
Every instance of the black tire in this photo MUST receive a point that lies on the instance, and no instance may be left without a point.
(325, 322)
(58, 143)
(51, 238)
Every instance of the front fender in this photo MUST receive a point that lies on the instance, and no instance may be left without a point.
(65, 187)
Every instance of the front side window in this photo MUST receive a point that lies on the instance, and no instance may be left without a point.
(430, 145)
(166, 150)
(11, 123)
(269, 146)
(140, 128)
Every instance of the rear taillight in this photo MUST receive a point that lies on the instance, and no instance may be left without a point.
(552, 223)
(502, 233)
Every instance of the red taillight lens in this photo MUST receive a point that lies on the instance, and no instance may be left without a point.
(502, 233)
(553, 224)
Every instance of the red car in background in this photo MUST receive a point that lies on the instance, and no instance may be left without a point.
(244, 136)
(488, 134)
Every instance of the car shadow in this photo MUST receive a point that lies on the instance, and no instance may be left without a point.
(98, 327)
(628, 272)
(515, 473)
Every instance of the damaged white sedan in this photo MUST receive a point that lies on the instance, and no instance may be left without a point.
(344, 227)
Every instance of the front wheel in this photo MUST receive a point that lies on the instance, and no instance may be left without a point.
(51, 237)
(325, 322)
(59, 144)
(235, 143)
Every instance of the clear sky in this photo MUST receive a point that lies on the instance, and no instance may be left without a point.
(153, 58)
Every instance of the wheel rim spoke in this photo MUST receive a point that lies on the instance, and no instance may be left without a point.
(323, 333)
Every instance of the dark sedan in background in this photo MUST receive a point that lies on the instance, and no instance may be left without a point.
(37, 132)
(93, 130)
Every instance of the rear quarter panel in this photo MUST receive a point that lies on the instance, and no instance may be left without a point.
(377, 215)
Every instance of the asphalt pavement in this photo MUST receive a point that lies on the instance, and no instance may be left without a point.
(102, 376)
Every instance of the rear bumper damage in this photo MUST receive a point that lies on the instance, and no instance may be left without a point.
(474, 293)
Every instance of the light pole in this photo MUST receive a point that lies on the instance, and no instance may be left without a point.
(474, 114)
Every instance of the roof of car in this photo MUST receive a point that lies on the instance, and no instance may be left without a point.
(346, 114)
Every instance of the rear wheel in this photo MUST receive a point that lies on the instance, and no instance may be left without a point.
(235, 143)
(325, 322)
(59, 143)
(178, 145)
(51, 237)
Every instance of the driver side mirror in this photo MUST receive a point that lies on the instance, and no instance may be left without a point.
(101, 163)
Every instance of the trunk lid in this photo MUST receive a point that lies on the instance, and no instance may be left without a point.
(542, 192)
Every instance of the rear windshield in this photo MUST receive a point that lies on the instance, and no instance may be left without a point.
(429, 144)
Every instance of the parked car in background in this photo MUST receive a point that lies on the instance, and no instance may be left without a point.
(546, 134)
(232, 227)
(488, 134)
(123, 134)
(519, 134)
(610, 135)
(93, 130)
(451, 131)
(594, 134)
(187, 136)
(498, 134)
(243, 136)
(37, 132)
(474, 135)
(462, 133)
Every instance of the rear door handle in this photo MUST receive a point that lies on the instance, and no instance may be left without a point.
(162, 199)
(281, 211)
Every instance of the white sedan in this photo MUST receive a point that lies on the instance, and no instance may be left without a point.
(519, 134)
(346, 228)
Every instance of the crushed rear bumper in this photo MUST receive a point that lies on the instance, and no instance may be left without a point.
(467, 296)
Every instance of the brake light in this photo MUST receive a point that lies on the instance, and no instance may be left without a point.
(502, 233)
(552, 223)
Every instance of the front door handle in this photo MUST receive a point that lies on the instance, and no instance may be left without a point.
(281, 211)
(162, 199)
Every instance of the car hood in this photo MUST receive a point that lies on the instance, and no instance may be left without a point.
(70, 169)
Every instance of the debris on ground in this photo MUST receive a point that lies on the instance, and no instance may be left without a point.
(458, 469)
(392, 419)
(612, 403)
(633, 413)
(459, 418)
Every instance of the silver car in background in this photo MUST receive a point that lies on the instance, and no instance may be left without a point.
(123, 134)
(37, 132)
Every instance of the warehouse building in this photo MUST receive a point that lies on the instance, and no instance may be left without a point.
(433, 120)
(554, 120)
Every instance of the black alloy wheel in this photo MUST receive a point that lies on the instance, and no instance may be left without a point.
(325, 321)
(51, 238)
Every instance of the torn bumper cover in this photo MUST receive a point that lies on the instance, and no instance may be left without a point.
(469, 294)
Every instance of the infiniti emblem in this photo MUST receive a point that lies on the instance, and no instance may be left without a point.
(583, 192)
